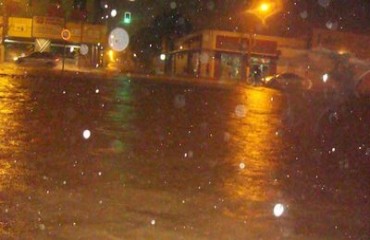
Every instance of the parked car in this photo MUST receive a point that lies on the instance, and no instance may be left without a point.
(287, 81)
(38, 59)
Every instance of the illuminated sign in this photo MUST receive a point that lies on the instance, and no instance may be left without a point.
(19, 27)
(47, 27)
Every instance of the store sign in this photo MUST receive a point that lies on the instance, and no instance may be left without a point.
(265, 47)
(94, 33)
(1, 29)
(76, 31)
(47, 27)
(19, 27)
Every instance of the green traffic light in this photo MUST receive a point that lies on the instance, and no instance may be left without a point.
(127, 18)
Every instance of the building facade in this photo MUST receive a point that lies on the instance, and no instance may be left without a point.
(29, 26)
(222, 55)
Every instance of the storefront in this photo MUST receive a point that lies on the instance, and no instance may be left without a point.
(222, 55)
(45, 34)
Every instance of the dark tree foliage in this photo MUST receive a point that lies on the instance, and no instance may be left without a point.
(164, 30)
(146, 44)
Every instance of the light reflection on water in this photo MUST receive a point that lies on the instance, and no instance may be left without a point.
(190, 148)
(12, 143)
(254, 152)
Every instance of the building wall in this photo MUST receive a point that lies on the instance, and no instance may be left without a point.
(342, 42)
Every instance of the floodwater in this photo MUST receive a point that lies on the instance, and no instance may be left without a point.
(123, 158)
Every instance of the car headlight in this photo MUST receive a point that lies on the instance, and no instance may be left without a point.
(268, 78)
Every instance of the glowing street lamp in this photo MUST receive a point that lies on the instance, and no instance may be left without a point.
(262, 10)
(265, 9)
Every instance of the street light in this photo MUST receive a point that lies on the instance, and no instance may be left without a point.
(262, 10)
(265, 9)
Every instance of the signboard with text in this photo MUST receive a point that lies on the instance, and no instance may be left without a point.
(93, 33)
(47, 27)
(76, 31)
(19, 27)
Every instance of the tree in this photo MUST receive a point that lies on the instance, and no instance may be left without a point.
(165, 28)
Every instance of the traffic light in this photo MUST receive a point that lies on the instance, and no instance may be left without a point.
(127, 18)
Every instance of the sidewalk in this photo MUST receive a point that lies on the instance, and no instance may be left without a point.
(13, 70)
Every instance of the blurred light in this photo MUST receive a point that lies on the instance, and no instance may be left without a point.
(72, 49)
(113, 13)
(127, 18)
(264, 7)
(106, 6)
(86, 134)
(278, 210)
(111, 55)
(325, 77)
(162, 57)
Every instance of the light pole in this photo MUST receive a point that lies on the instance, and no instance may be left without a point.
(261, 10)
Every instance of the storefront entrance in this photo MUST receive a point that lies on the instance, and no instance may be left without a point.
(230, 67)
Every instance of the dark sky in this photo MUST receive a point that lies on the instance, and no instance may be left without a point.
(296, 18)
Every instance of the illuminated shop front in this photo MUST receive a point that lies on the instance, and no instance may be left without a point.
(222, 55)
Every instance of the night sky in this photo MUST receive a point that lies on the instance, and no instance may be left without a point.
(296, 18)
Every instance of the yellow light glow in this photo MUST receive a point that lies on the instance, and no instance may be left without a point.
(111, 55)
(264, 7)
(249, 133)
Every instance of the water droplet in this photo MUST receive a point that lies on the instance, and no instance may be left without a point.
(118, 39)
(240, 111)
(304, 14)
(210, 5)
(278, 210)
(180, 101)
(242, 165)
(324, 3)
(42, 227)
(86, 134)
(173, 5)
(204, 58)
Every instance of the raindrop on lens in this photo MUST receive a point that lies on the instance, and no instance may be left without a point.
(86, 134)
(173, 5)
(324, 3)
(180, 101)
(118, 39)
(204, 58)
(210, 5)
(240, 111)
(278, 210)
(304, 14)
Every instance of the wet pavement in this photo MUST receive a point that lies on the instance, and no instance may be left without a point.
(123, 158)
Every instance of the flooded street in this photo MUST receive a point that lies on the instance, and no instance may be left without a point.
(124, 158)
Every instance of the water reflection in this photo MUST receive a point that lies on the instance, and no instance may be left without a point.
(255, 151)
(12, 145)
